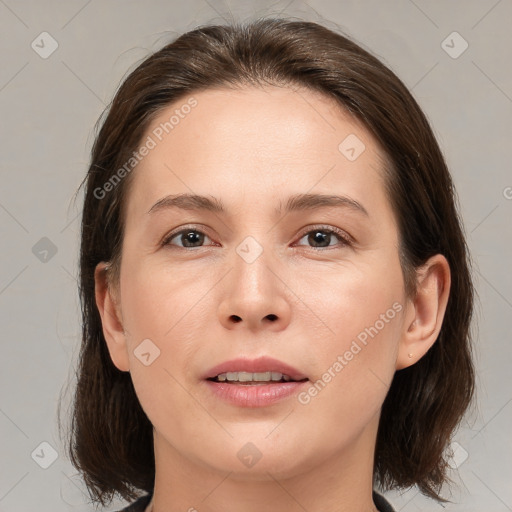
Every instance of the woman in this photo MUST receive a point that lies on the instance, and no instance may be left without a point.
(275, 283)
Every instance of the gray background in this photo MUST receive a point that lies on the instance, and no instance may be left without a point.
(49, 107)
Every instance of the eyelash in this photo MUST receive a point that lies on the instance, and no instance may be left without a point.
(344, 239)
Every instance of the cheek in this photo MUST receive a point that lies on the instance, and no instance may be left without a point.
(356, 348)
(164, 316)
(158, 299)
(355, 299)
(160, 310)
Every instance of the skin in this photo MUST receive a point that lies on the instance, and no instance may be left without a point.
(252, 148)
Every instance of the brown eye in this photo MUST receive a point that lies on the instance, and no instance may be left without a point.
(322, 237)
(187, 238)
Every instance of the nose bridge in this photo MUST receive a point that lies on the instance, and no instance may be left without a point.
(255, 295)
(251, 264)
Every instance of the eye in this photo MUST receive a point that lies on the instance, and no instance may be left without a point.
(322, 236)
(189, 238)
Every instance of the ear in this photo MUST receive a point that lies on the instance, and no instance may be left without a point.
(425, 313)
(111, 319)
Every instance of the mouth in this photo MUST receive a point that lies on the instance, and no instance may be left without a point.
(263, 369)
(254, 379)
(254, 382)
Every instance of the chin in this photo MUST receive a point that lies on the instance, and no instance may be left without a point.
(256, 461)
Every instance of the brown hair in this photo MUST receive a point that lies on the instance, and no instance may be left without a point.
(111, 439)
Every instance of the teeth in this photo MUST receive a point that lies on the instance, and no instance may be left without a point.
(262, 377)
(252, 377)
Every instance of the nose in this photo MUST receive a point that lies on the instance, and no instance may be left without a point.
(255, 296)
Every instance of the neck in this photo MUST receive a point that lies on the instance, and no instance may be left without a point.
(341, 482)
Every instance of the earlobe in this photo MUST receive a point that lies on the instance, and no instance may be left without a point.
(111, 320)
(425, 313)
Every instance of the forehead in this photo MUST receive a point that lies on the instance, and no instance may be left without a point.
(251, 142)
(260, 119)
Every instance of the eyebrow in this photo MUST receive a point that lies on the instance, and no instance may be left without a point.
(297, 202)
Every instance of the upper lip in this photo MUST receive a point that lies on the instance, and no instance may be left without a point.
(260, 364)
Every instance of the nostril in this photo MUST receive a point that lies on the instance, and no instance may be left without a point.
(272, 317)
(235, 318)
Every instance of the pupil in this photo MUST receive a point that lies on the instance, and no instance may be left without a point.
(320, 237)
(192, 237)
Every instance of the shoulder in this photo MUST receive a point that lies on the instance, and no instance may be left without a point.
(139, 505)
(381, 503)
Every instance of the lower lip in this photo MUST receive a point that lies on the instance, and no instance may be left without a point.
(254, 395)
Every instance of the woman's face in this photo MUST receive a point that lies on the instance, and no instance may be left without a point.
(317, 286)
